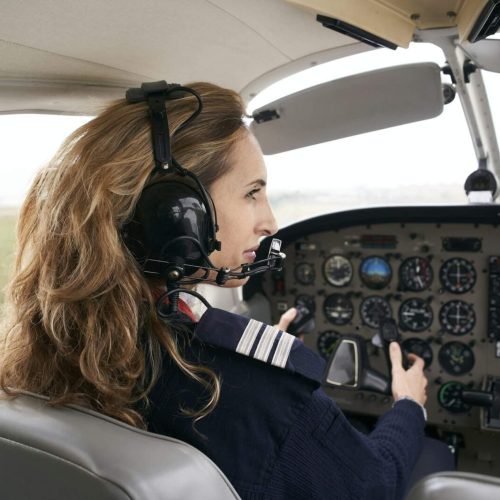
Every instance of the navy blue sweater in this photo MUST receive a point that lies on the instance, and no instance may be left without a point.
(275, 433)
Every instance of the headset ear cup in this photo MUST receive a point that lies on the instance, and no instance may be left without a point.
(172, 225)
(133, 237)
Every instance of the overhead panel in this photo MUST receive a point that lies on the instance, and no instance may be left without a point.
(372, 16)
(427, 14)
(397, 20)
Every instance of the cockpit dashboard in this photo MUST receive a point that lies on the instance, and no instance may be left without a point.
(436, 272)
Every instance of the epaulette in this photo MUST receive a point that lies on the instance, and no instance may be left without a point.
(257, 340)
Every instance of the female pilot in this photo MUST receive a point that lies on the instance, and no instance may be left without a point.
(106, 225)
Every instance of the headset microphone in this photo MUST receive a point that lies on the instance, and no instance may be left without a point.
(176, 274)
(273, 262)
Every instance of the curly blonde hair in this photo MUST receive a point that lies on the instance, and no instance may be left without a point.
(78, 300)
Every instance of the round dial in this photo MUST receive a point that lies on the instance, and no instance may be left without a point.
(457, 317)
(419, 347)
(338, 309)
(337, 270)
(307, 301)
(304, 273)
(415, 315)
(457, 275)
(326, 342)
(450, 397)
(375, 272)
(456, 358)
(374, 310)
(415, 274)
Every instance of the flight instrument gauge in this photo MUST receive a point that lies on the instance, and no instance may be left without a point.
(456, 358)
(419, 347)
(326, 342)
(337, 270)
(304, 273)
(338, 309)
(374, 310)
(457, 275)
(415, 274)
(415, 315)
(450, 397)
(457, 317)
(375, 272)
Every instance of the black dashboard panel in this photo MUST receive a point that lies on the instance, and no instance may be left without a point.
(434, 270)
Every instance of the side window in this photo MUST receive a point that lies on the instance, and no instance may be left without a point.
(28, 141)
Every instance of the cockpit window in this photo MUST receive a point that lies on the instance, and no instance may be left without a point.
(28, 141)
(420, 163)
(492, 84)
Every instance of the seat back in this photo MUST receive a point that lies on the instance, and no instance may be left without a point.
(75, 454)
(456, 486)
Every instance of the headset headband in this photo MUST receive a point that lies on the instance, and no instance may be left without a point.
(155, 94)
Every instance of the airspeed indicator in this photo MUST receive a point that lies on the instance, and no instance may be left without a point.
(337, 270)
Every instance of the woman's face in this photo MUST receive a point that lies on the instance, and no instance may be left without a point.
(244, 215)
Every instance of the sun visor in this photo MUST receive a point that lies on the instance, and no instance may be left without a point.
(350, 106)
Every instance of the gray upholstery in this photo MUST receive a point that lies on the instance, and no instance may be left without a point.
(456, 486)
(75, 454)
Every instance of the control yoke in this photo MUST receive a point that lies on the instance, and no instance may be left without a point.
(349, 367)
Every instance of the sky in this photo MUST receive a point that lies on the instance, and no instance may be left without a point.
(409, 160)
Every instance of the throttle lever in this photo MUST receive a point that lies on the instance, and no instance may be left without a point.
(478, 398)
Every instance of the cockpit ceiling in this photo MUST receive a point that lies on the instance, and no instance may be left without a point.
(78, 55)
(113, 43)
(397, 20)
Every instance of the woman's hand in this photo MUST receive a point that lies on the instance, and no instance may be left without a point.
(411, 382)
(286, 318)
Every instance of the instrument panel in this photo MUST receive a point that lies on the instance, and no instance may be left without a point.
(434, 270)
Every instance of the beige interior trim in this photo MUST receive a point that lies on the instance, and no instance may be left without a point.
(467, 17)
(369, 15)
(396, 20)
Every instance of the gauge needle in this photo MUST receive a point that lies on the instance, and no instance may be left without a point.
(457, 274)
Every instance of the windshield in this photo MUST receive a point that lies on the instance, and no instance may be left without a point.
(420, 163)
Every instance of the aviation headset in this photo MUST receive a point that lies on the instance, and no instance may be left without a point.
(173, 229)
